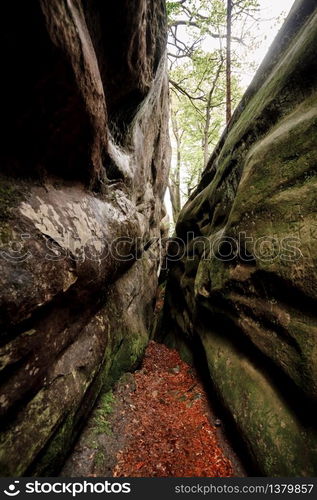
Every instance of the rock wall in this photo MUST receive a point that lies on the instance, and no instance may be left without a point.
(84, 167)
(244, 283)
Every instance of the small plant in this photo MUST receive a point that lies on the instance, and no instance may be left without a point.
(99, 459)
(104, 409)
(93, 444)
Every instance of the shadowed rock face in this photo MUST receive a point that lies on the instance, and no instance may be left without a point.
(246, 285)
(84, 162)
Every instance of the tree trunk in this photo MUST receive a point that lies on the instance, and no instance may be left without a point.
(206, 136)
(174, 189)
(205, 143)
(228, 69)
(174, 180)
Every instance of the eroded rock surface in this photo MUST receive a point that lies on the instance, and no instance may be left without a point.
(246, 283)
(84, 163)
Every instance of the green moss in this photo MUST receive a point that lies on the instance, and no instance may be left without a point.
(10, 196)
(55, 452)
(121, 355)
(47, 427)
(278, 441)
(101, 416)
(263, 185)
(281, 162)
(92, 443)
(129, 354)
(99, 459)
(28, 438)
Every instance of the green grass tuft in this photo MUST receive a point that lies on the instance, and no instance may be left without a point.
(104, 409)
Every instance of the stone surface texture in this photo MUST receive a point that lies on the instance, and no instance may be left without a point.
(245, 283)
(84, 163)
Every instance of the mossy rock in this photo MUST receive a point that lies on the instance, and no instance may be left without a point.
(280, 443)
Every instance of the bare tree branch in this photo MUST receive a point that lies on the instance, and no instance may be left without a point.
(184, 22)
(183, 91)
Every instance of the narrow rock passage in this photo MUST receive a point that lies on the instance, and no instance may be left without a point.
(157, 422)
(170, 432)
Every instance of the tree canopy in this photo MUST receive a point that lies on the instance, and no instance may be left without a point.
(200, 79)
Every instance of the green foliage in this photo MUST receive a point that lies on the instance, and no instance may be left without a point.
(173, 8)
(99, 459)
(198, 76)
(197, 58)
(104, 409)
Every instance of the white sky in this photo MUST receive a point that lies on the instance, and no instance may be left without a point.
(271, 16)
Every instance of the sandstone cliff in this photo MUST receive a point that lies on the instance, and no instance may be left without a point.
(84, 162)
(245, 283)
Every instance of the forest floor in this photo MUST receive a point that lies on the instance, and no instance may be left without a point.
(156, 423)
